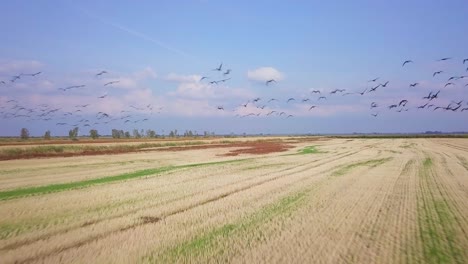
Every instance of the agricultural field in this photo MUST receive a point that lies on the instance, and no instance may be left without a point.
(275, 200)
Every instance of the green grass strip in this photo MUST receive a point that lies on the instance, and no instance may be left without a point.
(214, 242)
(306, 150)
(21, 192)
(369, 163)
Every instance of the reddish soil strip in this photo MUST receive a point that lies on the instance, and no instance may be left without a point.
(263, 147)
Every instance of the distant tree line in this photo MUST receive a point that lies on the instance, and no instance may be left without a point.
(118, 133)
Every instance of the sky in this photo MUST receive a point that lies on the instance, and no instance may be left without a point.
(155, 53)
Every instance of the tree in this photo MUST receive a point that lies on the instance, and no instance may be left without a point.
(24, 133)
(72, 134)
(47, 135)
(127, 134)
(93, 133)
(115, 133)
(150, 133)
(136, 133)
(171, 134)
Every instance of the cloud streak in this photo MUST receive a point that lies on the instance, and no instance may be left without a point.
(132, 32)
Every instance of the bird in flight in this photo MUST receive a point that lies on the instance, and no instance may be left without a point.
(223, 80)
(269, 81)
(32, 74)
(312, 107)
(465, 60)
(101, 73)
(109, 83)
(374, 88)
(413, 84)
(385, 84)
(447, 84)
(272, 99)
(392, 106)
(220, 108)
(428, 97)
(375, 115)
(374, 80)
(102, 96)
(316, 91)
(403, 102)
(256, 99)
(437, 72)
(219, 67)
(434, 96)
(228, 71)
(422, 106)
(16, 77)
(407, 61)
(291, 99)
(289, 116)
(444, 59)
(203, 78)
(322, 97)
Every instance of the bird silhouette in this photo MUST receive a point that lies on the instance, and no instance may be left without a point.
(407, 61)
(227, 72)
(413, 84)
(374, 88)
(448, 84)
(219, 67)
(444, 59)
(101, 73)
(437, 72)
(109, 83)
(403, 102)
(312, 107)
(385, 84)
(422, 106)
(465, 60)
(269, 81)
(203, 78)
(374, 80)
(291, 99)
(315, 91)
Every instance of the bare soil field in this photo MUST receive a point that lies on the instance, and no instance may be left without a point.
(284, 200)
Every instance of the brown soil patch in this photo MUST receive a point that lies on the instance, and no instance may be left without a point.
(263, 147)
(254, 147)
(150, 219)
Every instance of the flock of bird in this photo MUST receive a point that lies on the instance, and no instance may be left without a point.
(133, 114)
(399, 106)
(78, 117)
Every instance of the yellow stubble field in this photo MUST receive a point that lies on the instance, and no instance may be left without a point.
(321, 201)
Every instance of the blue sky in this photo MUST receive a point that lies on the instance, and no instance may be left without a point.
(159, 50)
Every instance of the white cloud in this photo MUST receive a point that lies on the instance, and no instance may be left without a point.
(264, 74)
(173, 77)
(19, 66)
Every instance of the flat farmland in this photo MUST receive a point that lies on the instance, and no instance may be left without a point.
(291, 200)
